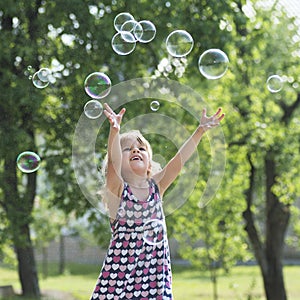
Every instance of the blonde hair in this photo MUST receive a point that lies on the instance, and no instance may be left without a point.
(155, 167)
(135, 134)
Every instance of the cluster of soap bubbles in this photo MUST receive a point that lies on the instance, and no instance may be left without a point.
(212, 63)
(97, 85)
(28, 161)
(129, 32)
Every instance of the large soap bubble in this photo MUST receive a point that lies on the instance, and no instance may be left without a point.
(123, 42)
(97, 85)
(179, 43)
(145, 31)
(121, 18)
(213, 63)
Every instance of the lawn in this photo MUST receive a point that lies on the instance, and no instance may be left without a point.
(244, 282)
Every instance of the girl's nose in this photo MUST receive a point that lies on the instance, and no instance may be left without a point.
(135, 150)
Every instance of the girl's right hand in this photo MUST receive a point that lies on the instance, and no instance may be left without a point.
(113, 118)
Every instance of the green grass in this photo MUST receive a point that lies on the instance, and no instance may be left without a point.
(244, 282)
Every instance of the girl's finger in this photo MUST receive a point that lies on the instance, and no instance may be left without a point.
(107, 113)
(217, 112)
(122, 112)
(221, 117)
(108, 108)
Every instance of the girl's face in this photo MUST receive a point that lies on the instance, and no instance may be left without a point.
(135, 157)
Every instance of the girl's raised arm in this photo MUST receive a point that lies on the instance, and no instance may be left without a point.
(114, 180)
(165, 177)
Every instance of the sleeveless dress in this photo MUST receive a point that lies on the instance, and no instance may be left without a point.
(137, 264)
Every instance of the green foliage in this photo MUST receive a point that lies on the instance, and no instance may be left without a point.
(73, 39)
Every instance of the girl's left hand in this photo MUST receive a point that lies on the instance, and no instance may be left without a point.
(213, 121)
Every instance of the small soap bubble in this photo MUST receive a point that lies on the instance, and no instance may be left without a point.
(97, 85)
(274, 83)
(40, 79)
(154, 232)
(121, 18)
(128, 26)
(154, 105)
(28, 162)
(145, 31)
(123, 43)
(131, 26)
(93, 109)
(213, 63)
(179, 43)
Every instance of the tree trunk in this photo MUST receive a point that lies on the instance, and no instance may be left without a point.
(18, 209)
(268, 255)
(215, 285)
(45, 261)
(27, 267)
(61, 254)
(277, 220)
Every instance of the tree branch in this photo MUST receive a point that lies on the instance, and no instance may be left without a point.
(288, 110)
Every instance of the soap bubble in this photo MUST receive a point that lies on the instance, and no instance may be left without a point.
(145, 31)
(154, 231)
(274, 83)
(93, 109)
(131, 26)
(28, 162)
(154, 105)
(121, 212)
(97, 85)
(128, 26)
(121, 18)
(179, 43)
(88, 165)
(40, 79)
(123, 43)
(213, 63)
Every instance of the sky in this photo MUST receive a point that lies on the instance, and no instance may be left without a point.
(292, 6)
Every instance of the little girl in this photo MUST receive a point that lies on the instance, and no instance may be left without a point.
(137, 264)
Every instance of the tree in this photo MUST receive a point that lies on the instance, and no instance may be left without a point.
(25, 113)
(212, 237)
(270, 142)
(73, 38)
(263, 42)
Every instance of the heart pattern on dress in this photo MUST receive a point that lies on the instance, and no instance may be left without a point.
(133, 268)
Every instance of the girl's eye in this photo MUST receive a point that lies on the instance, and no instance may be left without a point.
(126, 149)
(142, 149)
